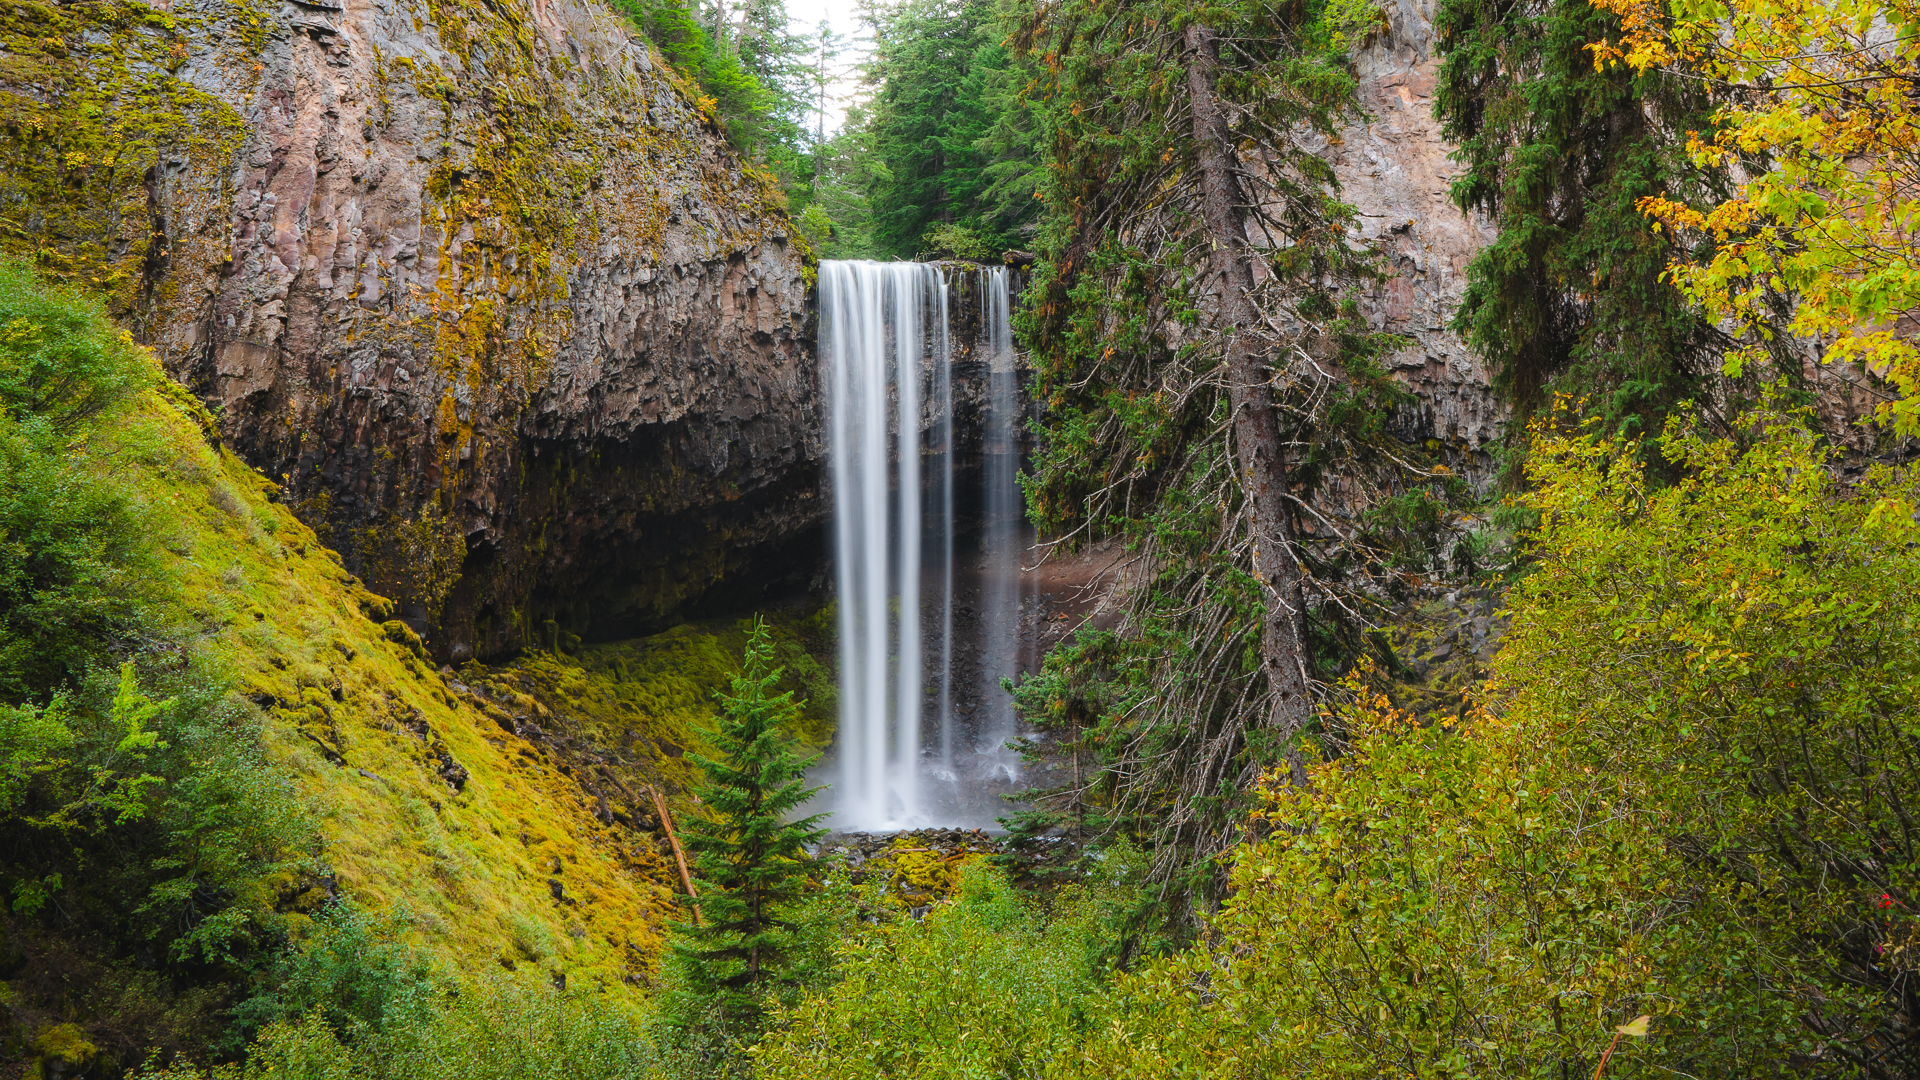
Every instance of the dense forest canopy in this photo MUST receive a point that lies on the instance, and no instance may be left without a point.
(1666, 829)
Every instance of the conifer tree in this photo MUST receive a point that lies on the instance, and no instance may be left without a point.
(944, 122)
(747, 59)
(1205, 368)
(1572, 294)
(750, 859)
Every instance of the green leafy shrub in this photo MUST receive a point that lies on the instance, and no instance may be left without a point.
(988, 984)
(352, 970)
(61, 360)
(148, 842)
(1687, 801)
(503, 1028)
(956, 241)
(77, 563)
(510, 1028)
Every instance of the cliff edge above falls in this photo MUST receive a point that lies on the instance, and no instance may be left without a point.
(476, 279)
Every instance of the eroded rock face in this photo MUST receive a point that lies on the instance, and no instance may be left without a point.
(1395, 169)
(478, 282)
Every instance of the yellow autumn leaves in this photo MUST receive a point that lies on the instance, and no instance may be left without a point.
(1819, 126)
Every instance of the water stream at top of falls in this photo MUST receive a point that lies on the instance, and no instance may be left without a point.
(928, 553)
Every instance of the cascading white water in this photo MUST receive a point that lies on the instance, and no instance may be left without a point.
(1003, 528)
(944, 447)
(872, 346)
(885, 346)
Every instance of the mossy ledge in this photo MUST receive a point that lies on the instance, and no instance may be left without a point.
(478, 282)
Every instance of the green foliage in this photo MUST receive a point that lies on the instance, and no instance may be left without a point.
(519, 1029)
(502, 1028)
(957, 242)
(1812, 245)
(350, 970)
(150, 845)
(749, 64)
(162, 816)
(946, 121)
(148, 841)
(1136, 446)
(848, 170)
(985, 985)
(77, 568)
(61, 361)
(750, 860)
(1571, 294)
(1687, 803)
(30, 739)
(816, 225)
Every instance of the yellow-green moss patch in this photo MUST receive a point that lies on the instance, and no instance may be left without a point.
(427, 805)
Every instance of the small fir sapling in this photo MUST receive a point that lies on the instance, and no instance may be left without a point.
(750, 859)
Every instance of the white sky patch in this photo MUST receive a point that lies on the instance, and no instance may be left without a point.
(842, 16)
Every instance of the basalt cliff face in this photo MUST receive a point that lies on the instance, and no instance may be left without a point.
(476, 280)
(483, 288)
(1395, 168)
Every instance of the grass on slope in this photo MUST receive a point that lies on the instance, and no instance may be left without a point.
(298, 745)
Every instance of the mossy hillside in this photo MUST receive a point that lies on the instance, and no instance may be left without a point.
(636, 708)
(427, 805)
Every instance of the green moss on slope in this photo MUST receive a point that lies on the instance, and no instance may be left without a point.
(425, 802)
(633, 709)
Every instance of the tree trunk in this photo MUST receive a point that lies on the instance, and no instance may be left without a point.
(1256, 424)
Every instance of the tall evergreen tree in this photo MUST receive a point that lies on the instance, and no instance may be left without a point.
(848, 170)
(750, 859)
(1571, 294)
(944, 86)
(1202, 370)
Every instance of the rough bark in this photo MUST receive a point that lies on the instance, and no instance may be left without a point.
(1256, 423)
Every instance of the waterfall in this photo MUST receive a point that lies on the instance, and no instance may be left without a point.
(889, 360)
(1003, 526)
(944, 448)
(872, 348)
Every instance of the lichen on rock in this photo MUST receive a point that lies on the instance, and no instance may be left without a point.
(477, 280)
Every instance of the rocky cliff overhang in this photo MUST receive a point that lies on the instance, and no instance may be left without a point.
(477, 281)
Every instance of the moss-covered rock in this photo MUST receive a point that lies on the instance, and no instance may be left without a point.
(63, 1052)
(476, 280)
(427, 805)
(623, 717)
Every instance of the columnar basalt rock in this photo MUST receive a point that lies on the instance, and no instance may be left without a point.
(1395, 168)
(477, 280)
